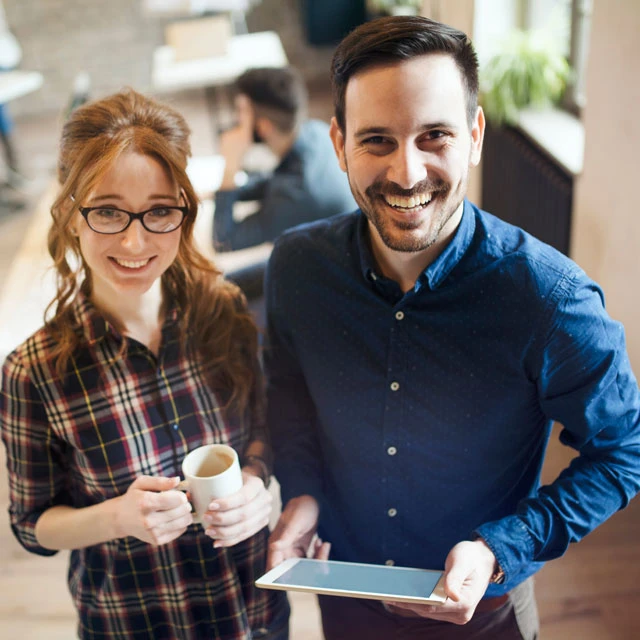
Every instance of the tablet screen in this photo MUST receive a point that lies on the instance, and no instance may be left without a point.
(364, 578)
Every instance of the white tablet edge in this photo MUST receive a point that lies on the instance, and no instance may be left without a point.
(437, 596)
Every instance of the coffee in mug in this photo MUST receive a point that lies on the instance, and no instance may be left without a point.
(211, 471)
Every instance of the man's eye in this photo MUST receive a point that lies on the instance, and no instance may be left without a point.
(374, 140)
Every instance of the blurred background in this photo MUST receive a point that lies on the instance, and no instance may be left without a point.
(560, 88)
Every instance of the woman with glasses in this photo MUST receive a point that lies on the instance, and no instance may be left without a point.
(146, 354)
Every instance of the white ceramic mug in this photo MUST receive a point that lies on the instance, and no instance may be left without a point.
(211, 471)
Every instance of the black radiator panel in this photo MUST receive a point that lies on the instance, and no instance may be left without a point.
(525, 187)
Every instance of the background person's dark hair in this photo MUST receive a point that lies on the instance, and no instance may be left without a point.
(395, 39)
(278, 94)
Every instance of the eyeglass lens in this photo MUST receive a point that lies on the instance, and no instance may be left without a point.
(160, 220)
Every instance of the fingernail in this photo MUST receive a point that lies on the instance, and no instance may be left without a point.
(213, 506)
(211, 532)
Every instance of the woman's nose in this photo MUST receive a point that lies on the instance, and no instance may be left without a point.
(134, 235)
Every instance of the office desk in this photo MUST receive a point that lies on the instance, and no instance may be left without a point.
(263, 49)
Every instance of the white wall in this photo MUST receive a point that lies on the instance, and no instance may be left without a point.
(606, 216)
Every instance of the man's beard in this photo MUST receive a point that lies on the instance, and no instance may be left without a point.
(372, 205)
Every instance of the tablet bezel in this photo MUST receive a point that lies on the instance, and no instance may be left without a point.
(267, 581)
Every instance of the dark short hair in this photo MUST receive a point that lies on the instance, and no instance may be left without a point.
(279, 94)
(393, 39)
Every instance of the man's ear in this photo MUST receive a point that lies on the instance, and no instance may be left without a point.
(337, 137)
(477, 137)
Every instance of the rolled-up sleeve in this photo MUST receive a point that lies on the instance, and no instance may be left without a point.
(585, 383)
(37, 479)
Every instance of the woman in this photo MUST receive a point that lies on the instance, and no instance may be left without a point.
(147, 354)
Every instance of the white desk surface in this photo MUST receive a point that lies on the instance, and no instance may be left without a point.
(249, 50)
(205, 173)
(14, 84)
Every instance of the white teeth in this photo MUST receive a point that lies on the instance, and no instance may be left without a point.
(408, 203)
(132, 264)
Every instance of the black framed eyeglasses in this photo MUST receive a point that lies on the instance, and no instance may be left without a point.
(157, 220)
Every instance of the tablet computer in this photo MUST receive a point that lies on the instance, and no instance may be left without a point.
(356, 580)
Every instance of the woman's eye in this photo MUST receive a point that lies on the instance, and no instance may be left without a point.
(108, 214)
(161, 212)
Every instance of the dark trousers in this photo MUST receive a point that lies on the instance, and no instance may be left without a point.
(357, 619)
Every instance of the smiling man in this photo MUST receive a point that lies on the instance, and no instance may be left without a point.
(420, 350)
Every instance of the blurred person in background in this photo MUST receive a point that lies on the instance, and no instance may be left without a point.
(307, 183)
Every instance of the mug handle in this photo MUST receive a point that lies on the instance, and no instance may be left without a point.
(183, 485)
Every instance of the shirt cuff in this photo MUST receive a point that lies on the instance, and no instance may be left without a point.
(511, 543)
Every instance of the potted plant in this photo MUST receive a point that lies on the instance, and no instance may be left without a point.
(527, 72)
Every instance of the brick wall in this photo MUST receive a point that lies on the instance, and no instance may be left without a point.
(113, 41)
(110, 39)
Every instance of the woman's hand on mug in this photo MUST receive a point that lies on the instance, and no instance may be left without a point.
(152, 512)
(241, 515)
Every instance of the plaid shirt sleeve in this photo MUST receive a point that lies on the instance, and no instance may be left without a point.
(34, 457)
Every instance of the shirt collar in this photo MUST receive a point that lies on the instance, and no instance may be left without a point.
(440, 268)
(95, 327)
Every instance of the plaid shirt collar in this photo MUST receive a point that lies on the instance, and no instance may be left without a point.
(95, 327)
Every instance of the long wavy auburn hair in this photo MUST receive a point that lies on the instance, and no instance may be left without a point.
(215, 324)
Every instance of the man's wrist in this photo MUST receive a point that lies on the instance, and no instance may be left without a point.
(497, 575)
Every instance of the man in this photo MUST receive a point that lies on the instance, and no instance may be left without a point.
(307, 183)
(420, 350)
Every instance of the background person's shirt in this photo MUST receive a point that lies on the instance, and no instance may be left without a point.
(307, 185)
(84, 441)
(416, 419)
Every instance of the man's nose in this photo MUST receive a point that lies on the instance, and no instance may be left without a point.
(408, 167)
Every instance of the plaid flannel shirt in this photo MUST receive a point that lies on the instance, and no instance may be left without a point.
(85, 439)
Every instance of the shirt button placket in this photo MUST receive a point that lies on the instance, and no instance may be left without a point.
(392, 415)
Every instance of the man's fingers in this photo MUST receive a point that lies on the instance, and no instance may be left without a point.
(321, 550)
(274, 558)
(244, 111)
(453, 586)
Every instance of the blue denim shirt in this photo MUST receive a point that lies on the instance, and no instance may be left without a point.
(419, 419)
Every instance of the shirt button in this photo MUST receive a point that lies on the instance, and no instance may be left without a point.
(392, 513)
(389, 563)
(399, 315)
(175, 427)
(394, 386)
(392, 451)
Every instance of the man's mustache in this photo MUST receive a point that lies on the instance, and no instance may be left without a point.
(389, 188)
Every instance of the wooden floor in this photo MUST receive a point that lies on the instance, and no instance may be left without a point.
(593, 593)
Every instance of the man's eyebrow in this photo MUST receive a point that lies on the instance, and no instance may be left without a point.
(430, 126)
